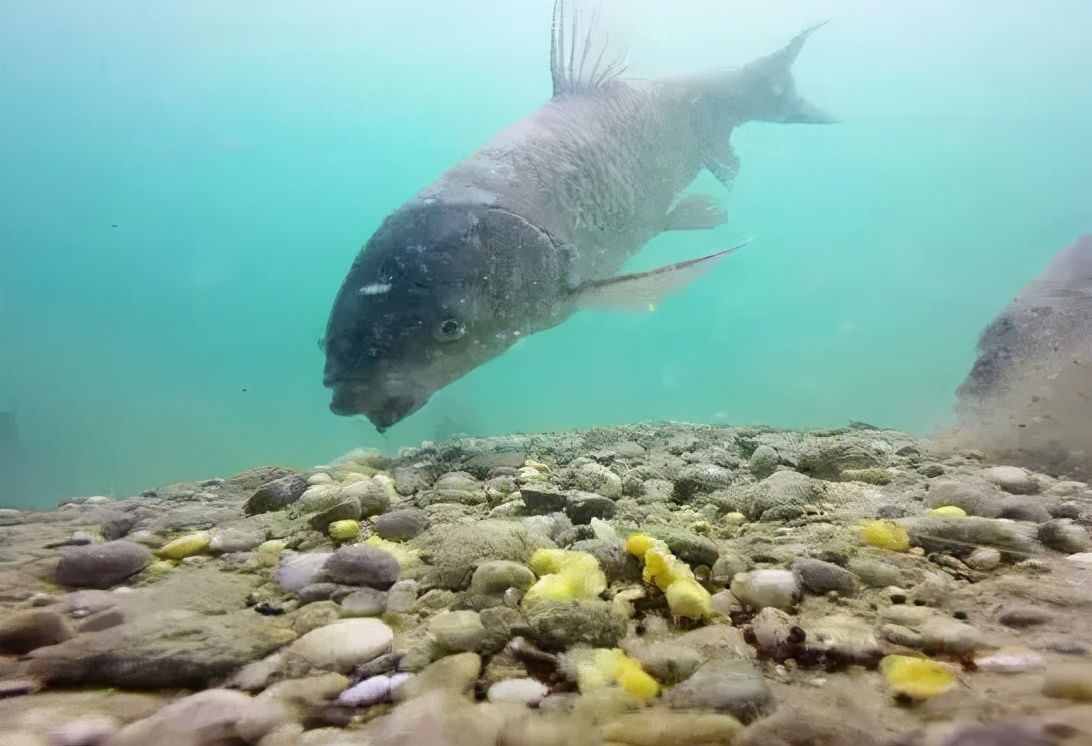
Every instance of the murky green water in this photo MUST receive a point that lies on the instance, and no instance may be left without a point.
(185, 184)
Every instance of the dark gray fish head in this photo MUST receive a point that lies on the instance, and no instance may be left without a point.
(428, 300)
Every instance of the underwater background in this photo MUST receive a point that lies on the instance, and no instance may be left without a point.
(186, 183)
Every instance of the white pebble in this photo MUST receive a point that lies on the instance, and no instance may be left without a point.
(762, 588)
(1010, 660)
(518, 691)
(367, 692)
(1084, 559)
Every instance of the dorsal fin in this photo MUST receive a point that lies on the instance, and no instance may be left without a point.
(569, 65)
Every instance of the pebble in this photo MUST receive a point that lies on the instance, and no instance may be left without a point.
(458, 631)
(725, 685)
(101, 565)
(453, 673)
(727, 566)
(874, 573)
(401, 525)
(374, 495)
(1023, 616)
(346, 509)
(943, 635)
(1081, 559)
(343, 530)
(761, 588)
(28, 630)
(358, 564)
(1012, 479)
(518, 691)
(584, 507)
(343, 645)
(667, 662)
(185, 546)
(402, 597)
(225, 541)
(1071, 681)
(597, 478)
(497, 576)
(900, 635)
(763, 461)
(821, 577)
(559, 626)
(984, 559)
(364, 602)
(656, 727)
(1064, 535)
(89, 730)
(1010, 660)
(276, 495)
(297, 571)
(372, 690)
(776, 633)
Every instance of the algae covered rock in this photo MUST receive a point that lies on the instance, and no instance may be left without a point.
(829, 457)
(559, 626)
(454, 552)
(764, 461)
(458, 631)
(821, 577)
(1064, 535)
(781, 496)
(276, 494)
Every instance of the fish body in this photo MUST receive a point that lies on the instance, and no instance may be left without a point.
(537, 224)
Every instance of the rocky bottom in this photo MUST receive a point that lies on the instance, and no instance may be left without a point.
(650, 585)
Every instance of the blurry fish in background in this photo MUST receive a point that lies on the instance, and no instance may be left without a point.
(537, 225)
(1028, 398)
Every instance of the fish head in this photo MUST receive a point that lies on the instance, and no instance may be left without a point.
(428, 299)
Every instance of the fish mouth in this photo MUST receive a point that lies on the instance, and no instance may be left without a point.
(352, 398)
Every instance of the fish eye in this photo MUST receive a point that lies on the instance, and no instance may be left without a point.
(449, 330)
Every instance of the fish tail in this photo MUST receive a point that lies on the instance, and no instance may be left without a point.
(765, 90)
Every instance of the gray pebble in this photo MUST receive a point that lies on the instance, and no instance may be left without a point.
(358, 564)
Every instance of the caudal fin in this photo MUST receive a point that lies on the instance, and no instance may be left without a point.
(765, 90)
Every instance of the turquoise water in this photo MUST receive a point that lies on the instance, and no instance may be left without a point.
(186, 183)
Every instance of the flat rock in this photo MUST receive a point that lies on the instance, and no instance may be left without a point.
(455, 551)
(731, 686)
(1012, 479)
(343, 645)
(101, 565)
(170, 649)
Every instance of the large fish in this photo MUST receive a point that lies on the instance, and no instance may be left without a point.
(1028, 396)
(538, 223)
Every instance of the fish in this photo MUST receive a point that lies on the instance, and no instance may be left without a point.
(537, 224)
(1028, 395)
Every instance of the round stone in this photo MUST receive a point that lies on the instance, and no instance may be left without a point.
(343, 645)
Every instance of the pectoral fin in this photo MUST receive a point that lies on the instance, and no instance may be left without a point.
(641, 291)
(694, 213)
(722, 161)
